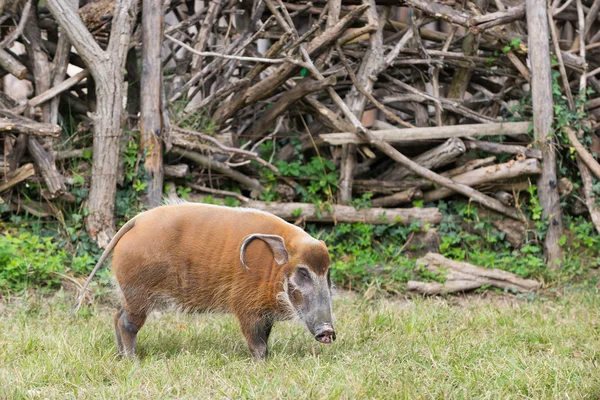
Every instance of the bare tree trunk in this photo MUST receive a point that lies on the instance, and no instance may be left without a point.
(107, 69)
(541, 87)
(151, 88)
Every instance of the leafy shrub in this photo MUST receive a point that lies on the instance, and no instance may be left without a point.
(28, 260)
(363, 254)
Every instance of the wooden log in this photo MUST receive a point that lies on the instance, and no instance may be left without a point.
(439, 156)
(29, 128)
(22, 173)
(543, 115)
(348, 214)
(398, 198)
(46, 166)
(73, 153)
(295, 212)
(462, 276)
(176, 171)
(287, 100)
(508, 170)
(10, 64)
(462, 75)
(38, 59)
(499, 148)
(437, 132)
(388, 187)
(151, 90)
(505, 198)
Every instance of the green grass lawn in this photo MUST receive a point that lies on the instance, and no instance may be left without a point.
(474, 347)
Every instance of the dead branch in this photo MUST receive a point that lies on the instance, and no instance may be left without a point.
(461, 276)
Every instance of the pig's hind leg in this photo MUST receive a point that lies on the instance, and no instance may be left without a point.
(127, 326)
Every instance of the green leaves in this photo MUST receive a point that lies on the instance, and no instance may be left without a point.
(28, 260)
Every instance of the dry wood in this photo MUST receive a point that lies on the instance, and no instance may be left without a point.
(386, 187)
(348, 214)
(508, 170)
(46, 166)
(462, 276)
(561, 64)
(585, 155)
(398, 198)
(441, 132)
(218, 192)
(35, 208)
(221, 168)
(107, 69)
(10, 64)
(590, 198)
(411, 165)
(541, 88)
(29, 128)
(21, 174)
(202, 38)
(439, 156)
(74, 153)
(176, 171)
(265, 87)
(505, 198)
(150, 104)
(38, 59)
(60, 65)
(391, 187)
(499, 148)
(290, 97)
(226, 149)
(58, 88)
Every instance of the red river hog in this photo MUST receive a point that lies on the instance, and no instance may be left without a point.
(210, 258)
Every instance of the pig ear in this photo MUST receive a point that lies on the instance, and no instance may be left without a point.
(275, 242)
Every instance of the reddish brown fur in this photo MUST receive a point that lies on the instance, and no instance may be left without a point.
(191, 253)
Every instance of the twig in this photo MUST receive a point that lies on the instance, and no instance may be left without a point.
(6, 43)
(369, 96)
(411, 165)
(206, 189)
(227, 56)
(235, 150)
(561, 65)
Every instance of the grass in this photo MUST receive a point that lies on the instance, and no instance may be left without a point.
(478, 347)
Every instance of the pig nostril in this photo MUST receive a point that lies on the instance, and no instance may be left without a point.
(326, 335)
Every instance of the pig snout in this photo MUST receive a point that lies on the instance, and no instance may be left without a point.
(325, 333)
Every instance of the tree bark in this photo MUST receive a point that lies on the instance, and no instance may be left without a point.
(348, 214)
(541, 87)
(107, 69)
(435, 132)
(151, 111)
(437, 157)
(462, 276)
(493, 173)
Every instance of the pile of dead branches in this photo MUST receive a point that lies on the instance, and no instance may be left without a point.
(410, 99)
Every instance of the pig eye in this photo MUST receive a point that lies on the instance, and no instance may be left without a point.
(303, 272)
